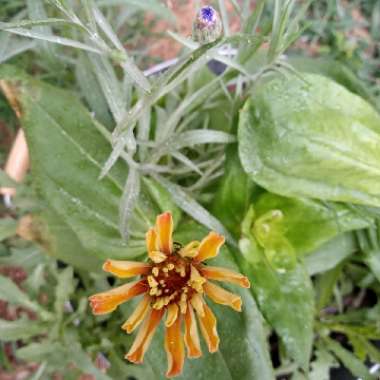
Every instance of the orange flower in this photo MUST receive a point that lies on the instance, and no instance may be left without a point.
(174, 282)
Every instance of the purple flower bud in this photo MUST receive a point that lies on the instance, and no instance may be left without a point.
(207, 26)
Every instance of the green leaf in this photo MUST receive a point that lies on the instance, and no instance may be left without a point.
(20, 329)
(243, 352)
(66, 153)
(349, 360)
(285, 297)
(65, 287)
(8, 227)
(325, 286)
(335, 70)
(162, 198)
(319, 221)
(330, 254)
(372, 259)
(321, 366)
(311, 138)
(234, 194)
(38, 352)
(82, 360)
(28, 257)
(5, 180)
(11, 293)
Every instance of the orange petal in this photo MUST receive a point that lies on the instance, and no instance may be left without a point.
(191, 334)
(151, 240)
(209, 246)
(125, 269)
(138, 315)
(164, 228)
(198, 304)
(222, 296)
(208, 328)
(103, 303)
(174, 349)
(223, 274)
(144, 337)
(172, 314)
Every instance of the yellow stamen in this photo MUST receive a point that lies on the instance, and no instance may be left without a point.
(196, 280)
(190, 250)
(157, 256)
(155, 271)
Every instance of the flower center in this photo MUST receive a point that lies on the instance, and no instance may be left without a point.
(174, 280)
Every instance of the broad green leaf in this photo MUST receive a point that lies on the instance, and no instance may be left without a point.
(285, 297)
(8, 227)
(335, 70)
(349, 360)
(234, 194)
(331, 254)
(66, 153)
(11, 293)
(20, 329)
(243, 352)
(311, 138)
(319, 221)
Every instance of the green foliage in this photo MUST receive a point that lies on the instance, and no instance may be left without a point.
(285, 296)
(290, 179)
(289, 125)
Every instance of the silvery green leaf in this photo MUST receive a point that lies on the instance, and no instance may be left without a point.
(193, 208)
(16, 48)
(109, 84)
(20, 329)
(45, 37)
(91, 90)
(128, 201)
(11, 293)
(106, 27)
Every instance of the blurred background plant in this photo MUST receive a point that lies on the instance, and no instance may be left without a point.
(172, 132)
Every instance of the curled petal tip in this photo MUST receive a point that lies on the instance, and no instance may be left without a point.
(210, 246)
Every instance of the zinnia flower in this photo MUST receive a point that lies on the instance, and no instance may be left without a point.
(174, 282)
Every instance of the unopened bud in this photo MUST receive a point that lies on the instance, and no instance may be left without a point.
(207, 26)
